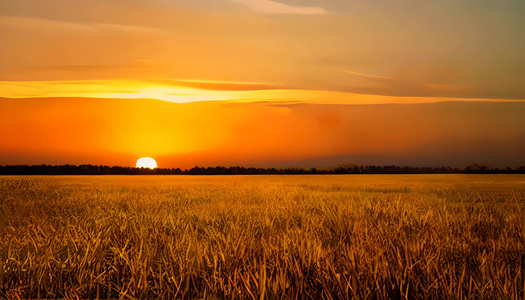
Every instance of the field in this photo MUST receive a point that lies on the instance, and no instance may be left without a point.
(276, 237)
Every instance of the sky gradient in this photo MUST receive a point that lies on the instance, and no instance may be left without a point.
(312, 83)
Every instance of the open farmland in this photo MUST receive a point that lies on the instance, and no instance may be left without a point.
(284, 237)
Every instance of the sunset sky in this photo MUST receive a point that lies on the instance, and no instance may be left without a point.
(312, 83)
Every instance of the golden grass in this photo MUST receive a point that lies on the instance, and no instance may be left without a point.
(277, 237)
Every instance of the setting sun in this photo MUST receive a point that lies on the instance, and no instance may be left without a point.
(146, 162)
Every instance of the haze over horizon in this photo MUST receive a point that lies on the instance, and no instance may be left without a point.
(262, 83)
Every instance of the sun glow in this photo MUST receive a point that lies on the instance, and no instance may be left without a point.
(146, 162)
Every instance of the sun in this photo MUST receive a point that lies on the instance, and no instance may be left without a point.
(146, 162)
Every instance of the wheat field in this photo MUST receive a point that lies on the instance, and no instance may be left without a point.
(262, 237)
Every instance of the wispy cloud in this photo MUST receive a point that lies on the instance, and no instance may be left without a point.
(274, 7)
(47, 24)
(445, 87)
(366, 75)
(386, 85)
(221, 85)
(184, 91)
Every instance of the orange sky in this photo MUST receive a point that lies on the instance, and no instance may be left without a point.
(118, 131)
(262, 83)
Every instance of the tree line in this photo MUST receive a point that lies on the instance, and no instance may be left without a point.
(342, 169)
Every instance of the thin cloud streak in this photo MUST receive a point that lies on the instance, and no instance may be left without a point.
(41, 23)
(395, 86)
(184, 91)
(366, 75)
(220, 85)
(274, 7)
